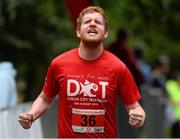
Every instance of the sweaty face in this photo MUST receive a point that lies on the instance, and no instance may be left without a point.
(92, 28)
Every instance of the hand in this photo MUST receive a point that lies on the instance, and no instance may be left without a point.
(136, 117)
(26, 119)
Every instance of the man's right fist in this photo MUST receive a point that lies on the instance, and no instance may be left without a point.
(25, 119)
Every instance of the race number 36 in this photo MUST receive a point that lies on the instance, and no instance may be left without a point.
(88, 120)
(85, 120)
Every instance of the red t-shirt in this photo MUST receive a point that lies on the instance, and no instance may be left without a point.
(88, 93)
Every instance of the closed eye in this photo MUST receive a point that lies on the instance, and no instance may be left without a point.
(87, 21)
(98, 22)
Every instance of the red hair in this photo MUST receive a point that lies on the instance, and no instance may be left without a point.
(92, 9)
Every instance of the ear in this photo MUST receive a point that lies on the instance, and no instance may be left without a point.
(78, 33)
(106, 34)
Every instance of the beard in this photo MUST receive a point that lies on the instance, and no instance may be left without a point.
(92, 39)
(92, 43)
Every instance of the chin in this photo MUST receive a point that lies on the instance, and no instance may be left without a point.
(92, 40)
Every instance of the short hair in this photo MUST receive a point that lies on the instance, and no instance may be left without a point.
(92, 9)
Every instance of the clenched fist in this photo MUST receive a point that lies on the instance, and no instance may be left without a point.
(26, 119)
(136, 117)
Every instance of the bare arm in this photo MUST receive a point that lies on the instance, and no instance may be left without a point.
(136, 115)
(39, 107)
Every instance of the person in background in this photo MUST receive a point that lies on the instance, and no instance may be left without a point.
(159, 73)
(173, 88)
(88, 80)
(121, 50)
(8, 89)
(142, 64)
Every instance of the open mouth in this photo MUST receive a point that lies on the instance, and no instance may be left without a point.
(92, 32)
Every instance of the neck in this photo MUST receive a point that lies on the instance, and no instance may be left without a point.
(90, 51)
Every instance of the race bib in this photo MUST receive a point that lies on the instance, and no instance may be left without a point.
(88, 121)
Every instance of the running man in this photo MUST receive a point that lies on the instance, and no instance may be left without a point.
(88, 80)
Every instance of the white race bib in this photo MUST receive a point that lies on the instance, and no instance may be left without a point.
(88, 120)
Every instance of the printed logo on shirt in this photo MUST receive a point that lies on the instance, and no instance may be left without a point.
(85, 88)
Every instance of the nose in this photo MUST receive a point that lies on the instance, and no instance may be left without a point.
(92, 23)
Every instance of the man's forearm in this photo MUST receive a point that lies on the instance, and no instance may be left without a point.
(40, 105)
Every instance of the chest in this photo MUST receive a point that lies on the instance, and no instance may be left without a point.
(94, 82)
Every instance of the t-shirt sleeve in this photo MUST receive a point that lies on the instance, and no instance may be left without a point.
(128, 90)
(50, 84)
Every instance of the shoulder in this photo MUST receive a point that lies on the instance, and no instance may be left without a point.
(67, 54)
(64, 57)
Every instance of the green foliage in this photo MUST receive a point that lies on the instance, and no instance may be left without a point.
(32, 32)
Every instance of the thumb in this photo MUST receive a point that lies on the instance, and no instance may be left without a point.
(30, 116)
(131, 112)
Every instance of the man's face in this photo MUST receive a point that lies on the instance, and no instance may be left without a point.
(92, 28)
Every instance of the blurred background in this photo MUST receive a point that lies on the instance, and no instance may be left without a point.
(33, 32)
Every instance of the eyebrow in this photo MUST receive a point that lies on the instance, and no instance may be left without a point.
(88, 18)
